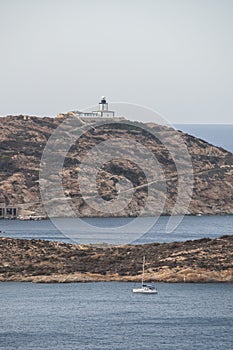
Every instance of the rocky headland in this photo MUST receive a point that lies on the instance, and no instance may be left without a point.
(23, 140)
(203, 260)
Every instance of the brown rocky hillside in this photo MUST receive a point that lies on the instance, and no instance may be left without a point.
(22, 141)
(203, 260)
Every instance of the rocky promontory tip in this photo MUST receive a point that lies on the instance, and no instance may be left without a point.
(203, 260)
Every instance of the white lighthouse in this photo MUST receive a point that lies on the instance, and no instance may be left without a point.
(103, 105)
(103, 109)
(102, 112)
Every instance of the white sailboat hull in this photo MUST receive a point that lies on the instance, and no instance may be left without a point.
(145, 290)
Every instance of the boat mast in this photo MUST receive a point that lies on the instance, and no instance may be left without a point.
(143, 269)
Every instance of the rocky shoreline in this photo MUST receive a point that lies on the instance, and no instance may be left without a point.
(203, 260)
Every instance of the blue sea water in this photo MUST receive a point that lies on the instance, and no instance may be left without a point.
(118, 230)
(104, 316)
(217, 134)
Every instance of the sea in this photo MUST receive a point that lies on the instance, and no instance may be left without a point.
(220, 135)
(104, 316)
(108, 315)
(118, 230)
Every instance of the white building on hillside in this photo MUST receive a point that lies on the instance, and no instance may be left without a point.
(103, 111)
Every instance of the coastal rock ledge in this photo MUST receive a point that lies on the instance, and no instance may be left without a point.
(203, 260)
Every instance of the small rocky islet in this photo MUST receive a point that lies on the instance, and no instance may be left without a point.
(202, 260)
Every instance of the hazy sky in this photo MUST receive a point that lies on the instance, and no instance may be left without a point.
(174, 56)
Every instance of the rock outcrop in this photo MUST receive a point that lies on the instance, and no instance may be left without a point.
(203, 260)
(23, 139)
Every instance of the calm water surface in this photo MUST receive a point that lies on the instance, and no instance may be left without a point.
(115, 230)
(108, 316)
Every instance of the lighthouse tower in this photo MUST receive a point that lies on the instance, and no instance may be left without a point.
(103, 105)
(103, 109)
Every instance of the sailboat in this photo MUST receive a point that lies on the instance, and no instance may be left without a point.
(145, 288)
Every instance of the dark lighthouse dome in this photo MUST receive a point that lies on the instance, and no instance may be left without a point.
(103, 100)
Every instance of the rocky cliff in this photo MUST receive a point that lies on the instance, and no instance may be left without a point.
(203, 260)
(23, 139)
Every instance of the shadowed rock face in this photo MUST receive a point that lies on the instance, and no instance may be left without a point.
(203, 260)
(22, 143)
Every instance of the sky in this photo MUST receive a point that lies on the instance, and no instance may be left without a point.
(172, 56)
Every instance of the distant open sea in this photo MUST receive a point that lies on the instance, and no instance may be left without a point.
(217, 134)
